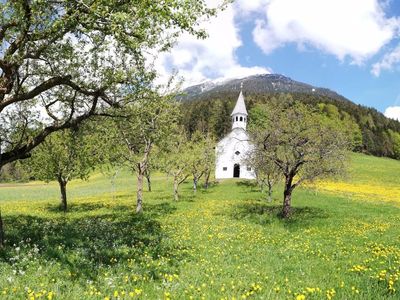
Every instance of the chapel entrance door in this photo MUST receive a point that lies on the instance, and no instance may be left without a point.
(236, 171)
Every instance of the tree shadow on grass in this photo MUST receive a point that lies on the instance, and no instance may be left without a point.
(247, 183)
(267, 213)
(73, 207)
(86, 245)
(209, 189)
(188, 196)
(251, 186)
(211, 185)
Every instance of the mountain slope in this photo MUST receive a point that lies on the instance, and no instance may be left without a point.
(207, 107)
(265, 83)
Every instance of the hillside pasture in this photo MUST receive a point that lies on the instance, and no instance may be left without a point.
(369, 179)
(226, 242)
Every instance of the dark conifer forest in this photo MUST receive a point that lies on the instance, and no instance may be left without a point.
(372, 132)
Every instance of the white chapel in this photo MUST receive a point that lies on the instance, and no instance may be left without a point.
(232, 149)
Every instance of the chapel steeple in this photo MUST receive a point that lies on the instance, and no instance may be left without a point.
(239, 113)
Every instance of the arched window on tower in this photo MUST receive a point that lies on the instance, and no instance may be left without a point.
(241, 119)
(236, 118)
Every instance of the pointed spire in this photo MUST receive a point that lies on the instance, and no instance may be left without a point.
(240, 107)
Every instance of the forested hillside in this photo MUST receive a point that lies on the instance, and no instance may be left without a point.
(372, 132)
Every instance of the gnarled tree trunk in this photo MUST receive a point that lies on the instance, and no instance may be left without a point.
(195, 179)
(148, 178)
(207, 179)
(63, 189)
(142, 171)
(287, 196)
(287, 203)
(176, 186)
(139, 193)
(270, 184)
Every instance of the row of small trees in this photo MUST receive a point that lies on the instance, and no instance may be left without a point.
(143, 137)
(291, 144)
(64, 62)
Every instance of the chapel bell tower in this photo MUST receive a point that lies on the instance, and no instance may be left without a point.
(239, 113)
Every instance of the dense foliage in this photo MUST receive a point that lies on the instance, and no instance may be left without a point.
(63, 156)
(301, 143)
(371, 131)
(130, 139)
(62, 62)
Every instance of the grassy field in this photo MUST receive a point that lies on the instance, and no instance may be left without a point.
(343, 241)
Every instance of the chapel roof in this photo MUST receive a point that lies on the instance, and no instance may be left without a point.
(240, 107)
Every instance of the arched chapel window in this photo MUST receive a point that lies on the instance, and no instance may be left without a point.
(241, 118)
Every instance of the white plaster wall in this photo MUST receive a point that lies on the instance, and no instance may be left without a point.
(236, 140)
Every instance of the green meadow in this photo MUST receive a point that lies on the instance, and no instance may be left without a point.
(227, 242)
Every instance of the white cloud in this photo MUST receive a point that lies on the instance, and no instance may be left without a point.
(388, 61)
(250, 6)
(354, 28)
(213, 58)
(393, 112)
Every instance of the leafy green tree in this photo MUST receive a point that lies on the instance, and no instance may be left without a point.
(177, 160)
(148, 123)
(351, 127)
(152, 164)
(266, 171)
(15, 171)
(343, 119)
(202, 157)
(330, 110)
(63, 156)
(368, 121)
(395, 137)
(64, 61)
(301, 144)
(208, 159)
(386, 144)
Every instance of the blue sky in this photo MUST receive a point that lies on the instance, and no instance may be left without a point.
(349, 46)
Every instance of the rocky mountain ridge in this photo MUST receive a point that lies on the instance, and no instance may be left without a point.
(263, 83)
